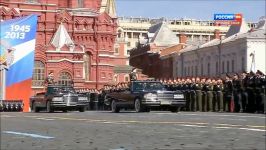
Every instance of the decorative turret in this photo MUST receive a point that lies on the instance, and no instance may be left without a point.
(62, 38)
(109, 7)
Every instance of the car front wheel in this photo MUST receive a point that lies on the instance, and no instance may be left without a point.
(49, 107)
(34, 107)
(138, 105)
(114, 107)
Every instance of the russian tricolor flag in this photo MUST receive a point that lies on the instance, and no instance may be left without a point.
(19, 36)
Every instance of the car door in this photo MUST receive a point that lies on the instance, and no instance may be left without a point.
(38, 99)
(126, 97)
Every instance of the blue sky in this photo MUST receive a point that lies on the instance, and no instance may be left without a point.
(194, 9)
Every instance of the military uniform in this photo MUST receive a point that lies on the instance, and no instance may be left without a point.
(198, 89)
(264, 94)
(209, 88)
(204, 97)
(244, 93)
(49, 80)
(251, 93)
(259, 94)
(237, 95)
(192, 97)
(133, 76)
(218, 97)
(186, 90)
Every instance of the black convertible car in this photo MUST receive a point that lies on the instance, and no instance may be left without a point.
(59, 98)
(142, 95)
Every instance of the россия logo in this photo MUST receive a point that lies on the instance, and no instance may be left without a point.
(228, 19)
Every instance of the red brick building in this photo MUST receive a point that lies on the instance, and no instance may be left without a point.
(154, 57)
(86, 56)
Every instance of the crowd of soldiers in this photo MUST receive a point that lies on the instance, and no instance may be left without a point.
(243, 92)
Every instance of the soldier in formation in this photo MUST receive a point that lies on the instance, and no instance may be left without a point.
(243, 92)
(50, 79)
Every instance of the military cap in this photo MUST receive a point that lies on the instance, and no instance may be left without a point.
(259, 72)
(252, 73)
(235, 74)
(245, 72)
(228, 75)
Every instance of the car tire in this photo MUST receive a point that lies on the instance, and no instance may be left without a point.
(49, 108)
(114, 107)
(138, 106)
(34, 108)
(64, 110)
(174, 109)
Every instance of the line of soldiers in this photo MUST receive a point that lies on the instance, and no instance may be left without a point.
(243, 92)
(121, 86)
(97, 97)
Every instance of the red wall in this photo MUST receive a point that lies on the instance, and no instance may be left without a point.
(96, 33)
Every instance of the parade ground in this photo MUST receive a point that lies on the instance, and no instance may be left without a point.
(99, 130)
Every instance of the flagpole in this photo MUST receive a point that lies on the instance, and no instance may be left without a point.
(3, 82)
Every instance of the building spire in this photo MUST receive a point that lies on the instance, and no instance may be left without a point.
(109, 7)
(62, 38)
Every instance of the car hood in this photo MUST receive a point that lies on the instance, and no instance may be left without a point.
(163, 92)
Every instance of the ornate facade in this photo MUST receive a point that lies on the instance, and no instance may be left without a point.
(85, 57)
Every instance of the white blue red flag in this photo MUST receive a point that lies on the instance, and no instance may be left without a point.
(17, 54)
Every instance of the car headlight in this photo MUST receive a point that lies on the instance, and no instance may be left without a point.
(57, 99)
(150, 96)
(178, 96)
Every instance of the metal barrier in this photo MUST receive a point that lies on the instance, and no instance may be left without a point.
(11, 105)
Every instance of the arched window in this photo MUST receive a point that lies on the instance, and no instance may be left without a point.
(233, 66)
(80, 3)
(192, 70)
(86, 66)
(209, 69)
(223, 67)
(228, 65)
(65, 79)
(243, 63)
(126, 78)
(201, 68)
(217, 68)
(196, 70)
(38, 74)
(116, 78)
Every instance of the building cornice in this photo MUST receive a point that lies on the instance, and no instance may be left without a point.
(64, 52)
(35, 10)
(64, 59)
(33, 3)
(102, 64)
(106, 55)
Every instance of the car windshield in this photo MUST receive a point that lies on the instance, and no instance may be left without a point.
(147, 86)
(64, 90)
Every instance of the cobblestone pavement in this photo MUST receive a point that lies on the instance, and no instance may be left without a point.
(129, 130)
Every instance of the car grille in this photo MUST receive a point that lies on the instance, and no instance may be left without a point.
(165, 96)
(70, 99)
